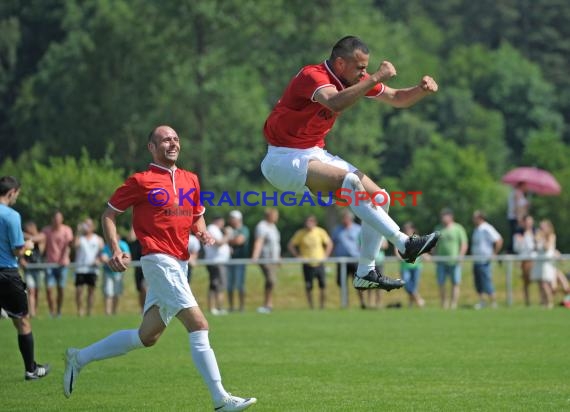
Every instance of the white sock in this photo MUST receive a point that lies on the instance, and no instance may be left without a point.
(369, 213)
(119, 343)
(370, 246)
(205, 361)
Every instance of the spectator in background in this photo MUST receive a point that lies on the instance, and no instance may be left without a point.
(523, 243)
(517, 209)
(346, 243)
(239, 244)
(267, 245)
(411, 272)
(452, 245)
(13, 297)
(374, 296)
(33, 277)
(112, 281)
(136, 253)
(194, 250)
(58, 246)
(486, 242)
(312, 242)
(219, 252)
(544, 270)
(88, 247)
(561, 284)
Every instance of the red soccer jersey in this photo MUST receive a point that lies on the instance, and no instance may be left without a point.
(298, 121)
(165, 205)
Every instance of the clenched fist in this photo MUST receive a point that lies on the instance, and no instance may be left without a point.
(385, 72)
(119, 262)
(205, 237)
(428, 84)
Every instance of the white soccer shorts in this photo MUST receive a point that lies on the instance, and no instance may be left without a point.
(286, 168)
(168, 287)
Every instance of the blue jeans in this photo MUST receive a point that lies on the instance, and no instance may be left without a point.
(452, 271)
(236, 277)
(482, 277)
(412, 278)
(56, 277)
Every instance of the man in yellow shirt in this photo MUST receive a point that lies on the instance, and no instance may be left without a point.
(312, 242)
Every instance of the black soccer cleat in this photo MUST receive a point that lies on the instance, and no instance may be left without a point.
(374, 280)
(418, 245)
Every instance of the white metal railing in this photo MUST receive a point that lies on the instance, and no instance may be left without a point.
(509, 260)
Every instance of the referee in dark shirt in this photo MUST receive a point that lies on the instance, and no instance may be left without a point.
(13, 296)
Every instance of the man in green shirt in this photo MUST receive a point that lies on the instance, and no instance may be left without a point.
(453, 245)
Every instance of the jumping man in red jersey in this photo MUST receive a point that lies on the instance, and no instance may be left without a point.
(296, 161)
(166, 208)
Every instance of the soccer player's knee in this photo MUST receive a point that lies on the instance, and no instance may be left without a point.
(149, 340)
(351, 181)
(201, 324)
(382, 199)
(23, 325)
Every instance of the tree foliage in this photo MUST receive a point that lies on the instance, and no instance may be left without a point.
(79, 187)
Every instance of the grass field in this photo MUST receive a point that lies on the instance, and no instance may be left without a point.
(298, 360)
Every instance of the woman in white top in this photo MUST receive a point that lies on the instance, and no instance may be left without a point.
(544, 270)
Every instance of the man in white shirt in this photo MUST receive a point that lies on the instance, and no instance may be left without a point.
(219, 252)
(485, 243)
(267, 245)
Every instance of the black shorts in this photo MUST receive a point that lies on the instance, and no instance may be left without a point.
(139, 279)
(312, 272)
(88, 279)
(13, 295)
(350, 271)
(217, 277)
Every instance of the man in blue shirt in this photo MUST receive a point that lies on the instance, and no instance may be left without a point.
(13, 297)
(346, 240)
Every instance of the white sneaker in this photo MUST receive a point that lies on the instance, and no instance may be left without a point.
(234, 403)
(264, 310)
(71, 372)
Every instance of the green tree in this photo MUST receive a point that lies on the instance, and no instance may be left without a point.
(449, 175)
(77, 187)
(503, 80)
(405, 133)
(467, 123)
(27, 28)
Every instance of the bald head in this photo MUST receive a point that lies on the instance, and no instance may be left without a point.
(159, 131)
(164, 144)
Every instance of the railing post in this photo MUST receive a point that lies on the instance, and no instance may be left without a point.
(509, 280)
(343, 286)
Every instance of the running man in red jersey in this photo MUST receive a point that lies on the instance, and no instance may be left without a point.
(166, 209)
(296, 161)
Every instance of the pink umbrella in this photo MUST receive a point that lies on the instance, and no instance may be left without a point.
(537, 180)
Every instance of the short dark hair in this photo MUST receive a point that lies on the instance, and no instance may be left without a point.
(8, 183)
(480, 214)
(346, 46)
(151, 135)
